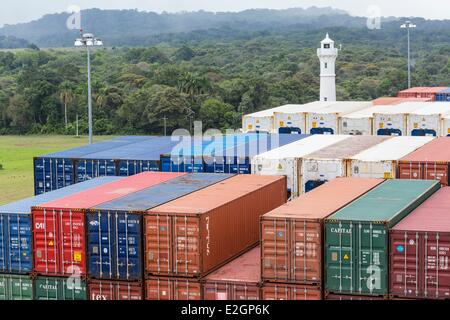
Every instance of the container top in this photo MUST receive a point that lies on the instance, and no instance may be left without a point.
(303, 108)
(156, 195)
(397, 100)
(393, 149)
(324, 200)
(90, 198)
(217, 195)
(347, 148)
(301, 148)
(367, 113)
(432, 216)
(447, 90)
(344, 107)
(267, 112)
(403, 108)
(433, 108)
(24, 206)
(245, 269)
(437, 150)
(431, 90)
(387, 201)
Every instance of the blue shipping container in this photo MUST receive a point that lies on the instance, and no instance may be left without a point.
(115, 235)
(443, 96)
(15, 226)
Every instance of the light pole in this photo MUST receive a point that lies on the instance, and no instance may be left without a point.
(88, 40)
(408, 25)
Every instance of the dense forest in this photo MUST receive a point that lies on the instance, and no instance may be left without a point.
(214, 75)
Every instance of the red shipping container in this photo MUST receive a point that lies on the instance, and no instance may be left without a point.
(278, 291)
(172, 289)
(421, 92)
(115, 290)
(237, 280)
(197, 234)
(292, 235)
(59, 233)
(350, 297)
(430, 162)
(420, 251)
(396, 100)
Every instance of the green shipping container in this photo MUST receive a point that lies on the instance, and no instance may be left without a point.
(357, 236)
(52, 288)
(15, 287)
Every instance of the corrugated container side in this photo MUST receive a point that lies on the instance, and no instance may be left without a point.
(195, 229)
(16, 287)
(115, 290)
(344, 297)
(172, 289)
(278, 291)
(54, 288)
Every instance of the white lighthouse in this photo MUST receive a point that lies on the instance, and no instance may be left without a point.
(327, 54)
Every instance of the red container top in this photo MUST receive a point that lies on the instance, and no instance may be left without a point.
(432, 90)
(93, 197)
(246, 268)
(216, 196)
(325, 200)
(432, 216)
(397, 100)
(437, 150)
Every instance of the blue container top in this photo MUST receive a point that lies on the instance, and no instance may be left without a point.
(162, 193)
(24, 206)
(444, 91)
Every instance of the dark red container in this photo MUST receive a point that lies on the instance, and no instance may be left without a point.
(278, 291)
(237, 280)
(167, 288)
(420, 251)
(115, 290)
(59, 232)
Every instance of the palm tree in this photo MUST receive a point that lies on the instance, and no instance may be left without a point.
(66, 97)
(193, 84)
(101, 98)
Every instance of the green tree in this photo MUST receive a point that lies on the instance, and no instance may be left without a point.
(66, 97)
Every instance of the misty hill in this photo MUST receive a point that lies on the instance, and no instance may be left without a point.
(10, 42)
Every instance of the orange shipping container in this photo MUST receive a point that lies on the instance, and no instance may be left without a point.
(292, 235)
(386, 101)
(421, 92)
(277, 291)
(172, 289)
(196, 234)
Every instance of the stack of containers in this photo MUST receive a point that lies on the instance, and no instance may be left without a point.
(292, 239)
(393, 121)
(428, 120)
(287, 160)
(357, 237)
(421, 92)
(396, 100)
(16, 247)
(443, 96)
(115, 236)
(420, 250)
(361, 122)
(59, 235)
(430, 162)
(382, 160)
(332, 162)
(326, 120)
(189, 238)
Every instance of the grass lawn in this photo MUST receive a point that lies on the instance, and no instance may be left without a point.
(16, 157)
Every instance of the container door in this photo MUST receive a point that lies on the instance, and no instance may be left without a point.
(128, 291)
(20, 242)
(245, 292)
(42, 171)
(48, 289)
(436, 273)
(45, 241)
(217, 291)
(186, 246)
(305, 293)
(186, 290)
(434, 171)
(410, 171)
(159, 289)
(73, 289)
(127, 251)
(306, 266)
(275, 250)
(405, 261)
(3, 260)
(73, 245)
(158, 230)
(102, 290)
(276, 292)
(100, 244)
(19, 287)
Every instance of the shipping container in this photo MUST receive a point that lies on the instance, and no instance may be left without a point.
(443, 96)
(59, 229)
(292, 237)
(420, 251)
(115, 233)
(428, 120)
(421, 92)
(55, 288)
(357, 236)
(279, 291)
(287, 160)
(381, 161)
(169, 288)
(387, 101)
(190, 236)
(16, 287)
(293, 118)
(238, 280)
(261, 121)
(15, 226)
(446, 130)
(326, 120)
(430, 162)
(393, 121)
(344, 297)
(115, 290)
(360, 122)
(332, 162)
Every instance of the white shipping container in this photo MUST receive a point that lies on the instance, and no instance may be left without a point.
(429, 120)
(286, 160)
(326, 120)
(332, 162)
(446, 124)
(360, 122)
(262, 120)
(393, 121)
(381, 161)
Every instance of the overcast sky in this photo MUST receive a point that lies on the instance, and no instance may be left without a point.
(14, 11)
